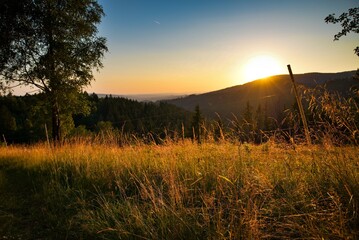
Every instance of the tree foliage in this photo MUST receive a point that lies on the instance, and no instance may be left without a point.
(349, 22)
(51, 45)
(23, 118)
(197, 122)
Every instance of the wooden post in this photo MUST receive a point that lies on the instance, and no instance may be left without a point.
(47, 136)
(182, 128)
(3, 136)
(300, 106)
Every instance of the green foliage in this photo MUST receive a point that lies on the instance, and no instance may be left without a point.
(80, 132)
(103, 126)
(161, 120)
(349, 22)
(53, 46)
(7, 121)
(24, 118)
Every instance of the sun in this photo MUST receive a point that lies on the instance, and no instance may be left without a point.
(261, 67)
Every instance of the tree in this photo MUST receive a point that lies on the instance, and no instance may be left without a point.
(51, 45)
(349, 22)
(7, 121)
(197, 121)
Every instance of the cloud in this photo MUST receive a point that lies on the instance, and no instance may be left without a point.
(157, 22)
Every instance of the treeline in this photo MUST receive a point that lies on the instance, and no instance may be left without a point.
(26, 119)
(331, 117)
(156, 121)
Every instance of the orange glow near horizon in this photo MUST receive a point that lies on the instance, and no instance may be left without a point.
(189, 47)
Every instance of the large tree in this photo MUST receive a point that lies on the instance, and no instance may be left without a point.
(51, 45)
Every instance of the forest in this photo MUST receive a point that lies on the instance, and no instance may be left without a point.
(25, 119)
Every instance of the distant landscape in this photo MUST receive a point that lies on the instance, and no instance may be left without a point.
(275, 93)
(243, 112)
(268, 155)
(335, 81)
(146, 97)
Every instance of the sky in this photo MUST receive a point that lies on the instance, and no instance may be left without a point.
(195, 46)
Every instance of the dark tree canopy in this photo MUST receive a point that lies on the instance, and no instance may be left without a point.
(51, 45)
(22, 119)
(349, 22)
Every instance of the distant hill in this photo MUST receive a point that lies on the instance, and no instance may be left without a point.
(146, 97)
(273, 94)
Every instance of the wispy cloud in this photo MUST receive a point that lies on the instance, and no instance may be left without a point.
(157, 22)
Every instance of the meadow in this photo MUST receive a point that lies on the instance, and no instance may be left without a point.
(179, 191)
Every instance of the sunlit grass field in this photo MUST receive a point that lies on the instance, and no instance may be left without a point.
(179, 191)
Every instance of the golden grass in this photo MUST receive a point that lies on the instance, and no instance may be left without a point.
(186, 191)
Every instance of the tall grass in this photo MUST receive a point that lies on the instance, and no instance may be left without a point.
(179, 191)
(334, 117)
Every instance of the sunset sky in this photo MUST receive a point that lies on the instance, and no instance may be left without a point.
(192, 46)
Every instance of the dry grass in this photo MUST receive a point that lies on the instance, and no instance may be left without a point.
(179, 191)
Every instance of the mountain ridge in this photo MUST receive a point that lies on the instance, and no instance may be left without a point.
(272, 93)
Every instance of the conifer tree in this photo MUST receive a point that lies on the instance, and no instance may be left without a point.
(197, 122)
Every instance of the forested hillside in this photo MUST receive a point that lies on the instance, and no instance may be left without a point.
(249, 113)
(273, 94)
(24, 119)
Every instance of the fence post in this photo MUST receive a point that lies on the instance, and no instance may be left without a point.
(3, 136)
(47, 135)
(300, 106)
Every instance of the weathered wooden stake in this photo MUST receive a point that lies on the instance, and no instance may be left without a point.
(47, 135)
(300, 106)
(3, 136)
(182, 128)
